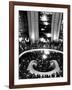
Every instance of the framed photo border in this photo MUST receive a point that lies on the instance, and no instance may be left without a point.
(11, 44)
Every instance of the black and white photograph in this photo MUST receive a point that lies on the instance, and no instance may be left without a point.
(40, 44)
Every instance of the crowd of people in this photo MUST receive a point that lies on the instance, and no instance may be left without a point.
(57, 45)
(42, 64)
(33, 76)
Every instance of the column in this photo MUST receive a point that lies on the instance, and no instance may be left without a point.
(55, 26)
(33, 26)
